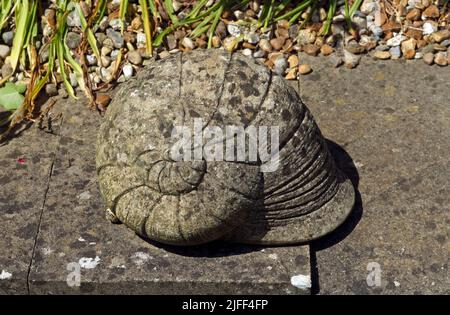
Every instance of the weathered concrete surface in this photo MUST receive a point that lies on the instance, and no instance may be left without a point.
(72, 229)
(393, 121)
(24, 178)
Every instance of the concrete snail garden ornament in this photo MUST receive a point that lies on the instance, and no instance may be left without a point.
(191, 199)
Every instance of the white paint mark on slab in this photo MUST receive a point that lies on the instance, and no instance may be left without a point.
(301, 281)
(397, 284)
(89, 263)
(5, 275)
(273, 256)
(80, 239)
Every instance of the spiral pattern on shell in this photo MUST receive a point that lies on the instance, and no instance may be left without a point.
(193, 202)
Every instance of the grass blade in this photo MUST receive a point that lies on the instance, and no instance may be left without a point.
(122, 12)
(147, 26)
(21, 31)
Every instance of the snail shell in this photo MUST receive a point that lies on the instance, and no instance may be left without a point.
(187, 202)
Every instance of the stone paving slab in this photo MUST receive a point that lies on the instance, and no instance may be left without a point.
(115, 260)
(388, 128)
(24, 178)
(393, 123)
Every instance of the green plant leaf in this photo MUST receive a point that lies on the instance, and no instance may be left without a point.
(21, 87)
(10, 98)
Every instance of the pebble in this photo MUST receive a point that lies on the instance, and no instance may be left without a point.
(439, 47)
(73, 20)
(141, 40)
(428, 58)
(376, 30)
(428, 48)
(162, 55)
(408, 48)
(336, 60)
(105, 50)
(414, 33)
(73, 79)
(428, 28)
(100, 37)
(311, 49)
(103, 100)
(264, 44)
(337, 29)
(114, 54)
(91, 60)
(409, 54)
(396, 40)
(280, 65)
(176, 5)
(116, 24)
(441, 35)
(252, 38)
(326, 50)
(4, 51)
(351, 60)
(104, 23)
(382, 48)
(306, 36)
(136, 23)
(230, 43)
(418, 55)
(413, 15)
(7, 70)
(105, 74)
(292, 74)
(216, 41)
(239, 14)
(360, 22)
(8, 37)
(247, 52)
(446, 43)
(355, 48)
(51, 89)
(304, 69)
(134, 57)
(368, 6)
(171, 41)
(259, 54)
(277, 43)
(293, 61)
(368, 42)
(106, 61)
(322, 14)
(116, 38)
(63, 92)
(233, 30)
(127, 71)
(338, 18)
(187, 43)
(73, 40)
(441, 59)
(221, 30)
(383, 55)
(395, 52)
(431, 12)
